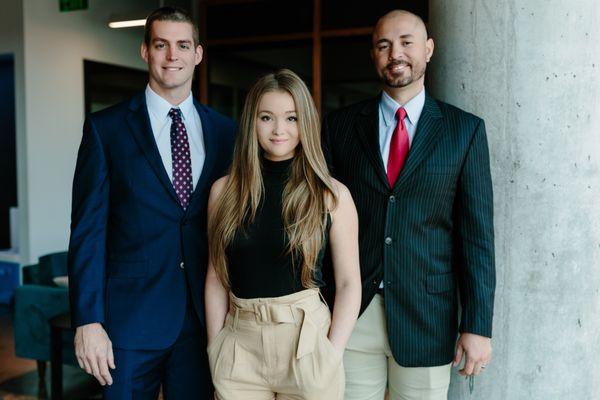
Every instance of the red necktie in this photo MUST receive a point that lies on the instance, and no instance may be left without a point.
(398, 148)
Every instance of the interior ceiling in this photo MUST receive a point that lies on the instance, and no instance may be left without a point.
(141, 8)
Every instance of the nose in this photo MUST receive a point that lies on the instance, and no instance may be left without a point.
(278, 128)
(396, 51)
(171, 54)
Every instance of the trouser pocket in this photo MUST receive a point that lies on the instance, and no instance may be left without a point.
(220, 350)
(320, 368)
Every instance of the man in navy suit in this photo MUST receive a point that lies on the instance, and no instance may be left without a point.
(138, 251)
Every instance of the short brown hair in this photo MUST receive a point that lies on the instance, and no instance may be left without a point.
(174, 14)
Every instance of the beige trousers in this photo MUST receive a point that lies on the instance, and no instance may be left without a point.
(371, 368)
(276, 348)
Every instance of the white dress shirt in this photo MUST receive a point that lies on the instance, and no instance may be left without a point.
(387, 120)
(158, 109)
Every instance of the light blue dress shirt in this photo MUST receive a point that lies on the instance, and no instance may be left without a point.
(158, 109)
(387, 120)
(387, 123)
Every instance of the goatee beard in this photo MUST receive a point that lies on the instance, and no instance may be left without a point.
(398, 83)
(401, 82)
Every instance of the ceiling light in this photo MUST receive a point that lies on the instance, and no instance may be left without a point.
(127, 24)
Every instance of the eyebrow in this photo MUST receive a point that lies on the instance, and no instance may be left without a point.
(405, 36)
(165, 40)
(270, 112)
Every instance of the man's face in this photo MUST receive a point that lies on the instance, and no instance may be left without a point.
(401, 50)
(171, 55)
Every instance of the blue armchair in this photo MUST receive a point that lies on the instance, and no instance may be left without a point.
(36, 302)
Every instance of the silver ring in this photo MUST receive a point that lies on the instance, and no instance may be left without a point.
(483, 366)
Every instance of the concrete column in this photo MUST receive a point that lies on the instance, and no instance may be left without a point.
(531, 69)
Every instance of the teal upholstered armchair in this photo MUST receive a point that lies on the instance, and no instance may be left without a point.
(37, 301)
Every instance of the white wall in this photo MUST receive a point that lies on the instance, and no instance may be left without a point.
(11, 30)
(11, 42)
(55, 45)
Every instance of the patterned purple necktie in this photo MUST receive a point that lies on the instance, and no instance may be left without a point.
(182, 162)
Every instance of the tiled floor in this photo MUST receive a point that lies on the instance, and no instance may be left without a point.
(19, 377)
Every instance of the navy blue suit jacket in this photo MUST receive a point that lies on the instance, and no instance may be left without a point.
(132, 245)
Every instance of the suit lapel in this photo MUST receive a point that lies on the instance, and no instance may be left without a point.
(210, 137)
(428, 131)
(139, 122)
(367, 128)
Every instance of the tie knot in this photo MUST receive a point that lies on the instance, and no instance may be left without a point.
(175, 113)
(401, 114)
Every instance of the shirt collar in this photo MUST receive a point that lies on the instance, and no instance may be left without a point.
(413, 107)
(160, 107)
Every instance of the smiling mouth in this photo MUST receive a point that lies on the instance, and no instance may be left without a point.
(398, 67)
(278, 141)
(173, 68)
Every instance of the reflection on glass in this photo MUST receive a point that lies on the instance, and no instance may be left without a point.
(348, 74)
(107, 84)
(233, 70)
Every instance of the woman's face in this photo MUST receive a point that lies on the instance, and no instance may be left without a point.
(277, 125)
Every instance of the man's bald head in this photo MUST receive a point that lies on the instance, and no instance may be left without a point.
(405, 18)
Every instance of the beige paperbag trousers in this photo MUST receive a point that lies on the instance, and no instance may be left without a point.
(276, 348)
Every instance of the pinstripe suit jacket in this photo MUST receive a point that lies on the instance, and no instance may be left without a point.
(429, 234)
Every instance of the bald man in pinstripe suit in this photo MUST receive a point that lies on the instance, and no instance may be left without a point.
(418, 170)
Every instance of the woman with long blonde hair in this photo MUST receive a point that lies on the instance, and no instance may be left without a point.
(270, 220)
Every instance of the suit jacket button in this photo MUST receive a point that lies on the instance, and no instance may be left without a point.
(392, 199)
(182, 265)
(388, 240)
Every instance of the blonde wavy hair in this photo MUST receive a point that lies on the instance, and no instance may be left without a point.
(307, 193)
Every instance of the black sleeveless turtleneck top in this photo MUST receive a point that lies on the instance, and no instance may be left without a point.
(259, 264)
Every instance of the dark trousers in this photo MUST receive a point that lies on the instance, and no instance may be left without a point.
(182, 368)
